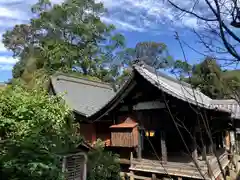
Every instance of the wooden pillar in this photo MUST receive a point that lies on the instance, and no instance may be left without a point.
(210, 148)
(221, 140)
(194, 152)
(194, 145)
(227, 140)
(154, 177)
(163, 146)
(209, 145)
(122, 175)
(204, 152)
(131, 175)
(217, 144)
(140, 143)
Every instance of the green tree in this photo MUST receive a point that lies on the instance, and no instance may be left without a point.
(207, 76)
(35, 129)
(152, 53)
(103, 165)
(181, 68)
(210, 78)
(68, 36)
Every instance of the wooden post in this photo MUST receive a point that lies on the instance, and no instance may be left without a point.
(204, 152)
(163, 146)
(131, 158)
(140, 143)
(221, 140)
(194, 153)
(122, 175)
(64, 161)
(194, 145)
(154, 177)
(210, 149)
(131, 175)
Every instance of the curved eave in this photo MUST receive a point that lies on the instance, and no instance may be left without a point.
(208, 106)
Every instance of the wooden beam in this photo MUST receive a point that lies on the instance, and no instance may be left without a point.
(163, 146)
(145, 105)
(124, 161)
(139, 177)
(149, 105)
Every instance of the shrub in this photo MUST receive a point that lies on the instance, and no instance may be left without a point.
(34, 129)
(103, 165)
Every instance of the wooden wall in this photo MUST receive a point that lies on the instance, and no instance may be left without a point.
(124, 137)
(103, 131)
(88, 131)
(92, 132)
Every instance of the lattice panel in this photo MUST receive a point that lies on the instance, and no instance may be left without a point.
(74, 167)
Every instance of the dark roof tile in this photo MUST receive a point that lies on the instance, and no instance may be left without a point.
(82, 95)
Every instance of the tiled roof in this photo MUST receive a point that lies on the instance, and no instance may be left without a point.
(167, 84)
(176, 88)
(90, 97)
(82, 95)
(128, 123)
(229, 104)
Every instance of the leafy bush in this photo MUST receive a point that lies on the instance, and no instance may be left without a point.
(103, 165)
(35, 129)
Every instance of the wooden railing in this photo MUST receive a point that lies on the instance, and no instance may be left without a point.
(181, 169)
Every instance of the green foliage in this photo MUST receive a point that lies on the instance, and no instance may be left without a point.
(35, 129)
(71, 37)
(152, 53)
(63, 37)
(155, 54)
(210, 78)
(103, 165)
(207, 76)
(181, 68)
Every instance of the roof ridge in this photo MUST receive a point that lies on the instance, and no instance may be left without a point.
(159, 73)
(100, 83)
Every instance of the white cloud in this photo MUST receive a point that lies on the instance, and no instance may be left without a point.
(144, 14)
(154, 15)
(6, 67)
(7, 60)
(2, 48)
(121, 24)
(12, 13)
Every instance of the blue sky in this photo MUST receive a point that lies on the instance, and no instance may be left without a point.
(138, 20)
